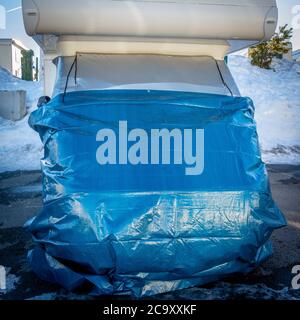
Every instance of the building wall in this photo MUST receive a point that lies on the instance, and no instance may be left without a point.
(6, 56)
(16, 61)
(11, 57)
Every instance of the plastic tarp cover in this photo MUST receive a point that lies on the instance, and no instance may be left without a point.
(148, 192)
(146, 72)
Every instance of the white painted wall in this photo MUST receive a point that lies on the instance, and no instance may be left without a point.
(16, 61)
(10, 57)
(6, 55)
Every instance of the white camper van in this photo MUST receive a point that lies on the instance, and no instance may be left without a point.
(152, 175)
(145, 44)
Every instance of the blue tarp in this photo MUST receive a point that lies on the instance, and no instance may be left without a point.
(150, 191)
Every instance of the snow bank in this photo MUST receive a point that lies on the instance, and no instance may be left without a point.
(20, 147)
(276, 95)
(9, 82)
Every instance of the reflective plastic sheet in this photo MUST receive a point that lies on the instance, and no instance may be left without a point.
(148, 192)
(156, 72)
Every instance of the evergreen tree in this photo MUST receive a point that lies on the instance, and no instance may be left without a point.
(262, 54)
(27, 65)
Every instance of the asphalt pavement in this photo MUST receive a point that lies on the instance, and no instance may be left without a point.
(20, 199)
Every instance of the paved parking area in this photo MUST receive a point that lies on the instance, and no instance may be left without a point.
(20, 199)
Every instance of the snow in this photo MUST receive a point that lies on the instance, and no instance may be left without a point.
(275, 92)
(9, 82)
(11, 282)
(20, 146)
(276, 96)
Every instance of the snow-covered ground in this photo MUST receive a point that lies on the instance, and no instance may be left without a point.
(276, 95)
(9, 82)
(20, 146)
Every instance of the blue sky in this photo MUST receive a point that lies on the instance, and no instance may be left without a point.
(15, 28)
